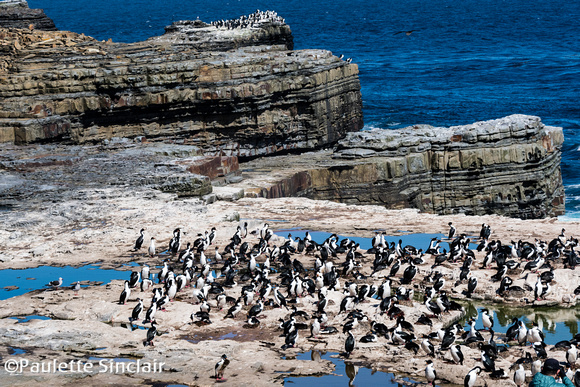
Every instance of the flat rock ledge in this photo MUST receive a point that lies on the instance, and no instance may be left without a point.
(508, 166)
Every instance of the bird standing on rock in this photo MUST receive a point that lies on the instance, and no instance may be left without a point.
(452, 231)
(151, 333)
(221, 366)
(520, 376)
(430, 373)
(456, 354)
(151, 249)
(125, 294)
(349, 344)
(55, 284)
(137, 311)
(139, 241)
(486, 319)
(471, 377)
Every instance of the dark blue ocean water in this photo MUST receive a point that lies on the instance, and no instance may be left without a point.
(465, 61)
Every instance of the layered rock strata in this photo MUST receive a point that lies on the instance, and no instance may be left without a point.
(240, 92)
(16, 14)
(508, 166)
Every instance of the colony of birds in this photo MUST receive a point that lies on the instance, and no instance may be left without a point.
(252, 20)
(333, 288)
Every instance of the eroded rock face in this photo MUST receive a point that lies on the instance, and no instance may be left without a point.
(16, 14)
(509, 166)
(240, 92)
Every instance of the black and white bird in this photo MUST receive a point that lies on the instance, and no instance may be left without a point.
(134, 279)
(150, 315)
(572, 355)
(487, 319)
(234, 310)
(452, 231)
(291, 338)
(139, 241)
(221, 366)
(428, 347)
(175, 242)
(55, 284)
(488, 362)
(471, 285)
(144, 272)
(349, 344)
(256, 309)
(151, 333)
(471, 377)
(135, 315)
(125, 294)
(520, 376)
(315, 328)
(430, 373)
(456, 354)
(151, 249)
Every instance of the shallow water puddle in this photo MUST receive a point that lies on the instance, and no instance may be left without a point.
(16, 351)
(418, 240)
(345, 373)
(24, 319)
(128, 325)
(557, 323)
(19, 281)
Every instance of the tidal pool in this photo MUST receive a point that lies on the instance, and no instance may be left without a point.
(19, 281)
(345, 373)
(557, 323)
(420, 241)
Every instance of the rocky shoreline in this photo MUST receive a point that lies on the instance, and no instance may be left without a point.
(56, 237)
(85, 180)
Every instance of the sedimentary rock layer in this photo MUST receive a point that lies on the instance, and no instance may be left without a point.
(509, 166)
(16, 14)
(240, 92)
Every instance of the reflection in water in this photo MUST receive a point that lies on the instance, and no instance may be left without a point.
(557, 323)
(351, 371)
(357, 375)
(420, 241)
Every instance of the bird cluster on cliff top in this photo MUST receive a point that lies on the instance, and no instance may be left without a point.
(252, 20)
(274, 276)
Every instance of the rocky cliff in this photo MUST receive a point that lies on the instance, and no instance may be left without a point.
(236, 90)
(509, 166)
(16, 14)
